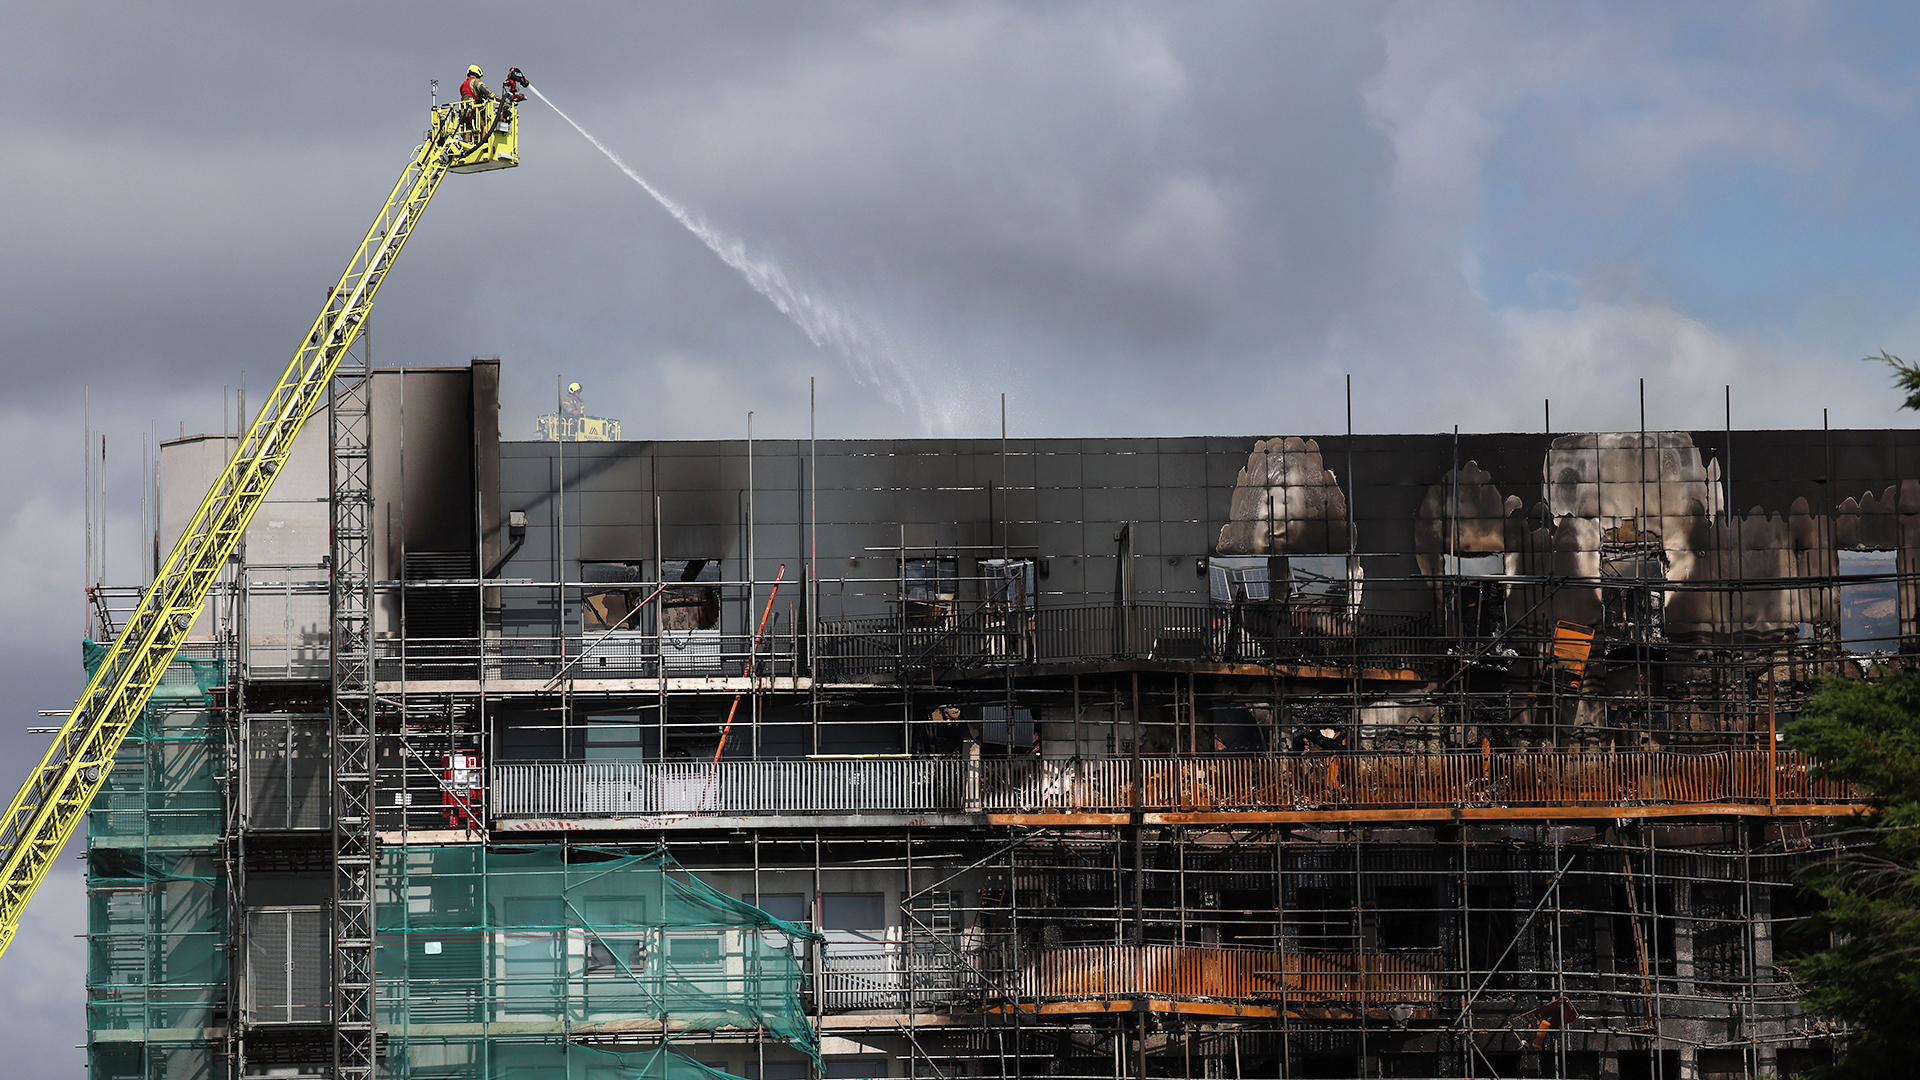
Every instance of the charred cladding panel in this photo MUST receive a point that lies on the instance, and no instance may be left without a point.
(424, 459)
(1114, 519)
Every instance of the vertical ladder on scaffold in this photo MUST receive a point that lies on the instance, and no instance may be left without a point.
(352, 717)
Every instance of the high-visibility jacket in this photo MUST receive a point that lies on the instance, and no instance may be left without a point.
(473, 89)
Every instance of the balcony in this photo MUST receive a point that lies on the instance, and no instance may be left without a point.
(892, 977)
(660, 793)
(539, 662)
(1380, 645)
(1087, 977)
(1504, 780)
(538, 796)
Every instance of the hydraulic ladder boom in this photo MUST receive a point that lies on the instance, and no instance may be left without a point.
(463, 136)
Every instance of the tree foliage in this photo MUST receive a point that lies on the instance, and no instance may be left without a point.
(1868, 733)
(1905, 376)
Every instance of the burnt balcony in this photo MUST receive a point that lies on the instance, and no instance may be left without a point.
(534, 796)
(1492, 780)
(1262, 982)
(958, 639)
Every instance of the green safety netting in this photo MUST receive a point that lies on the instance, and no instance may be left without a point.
(165, 784)
(492, 962)
(185, 682)
(592, 942)
(154, 1061)
(156, 910)
(156, 939)
(507, 1059)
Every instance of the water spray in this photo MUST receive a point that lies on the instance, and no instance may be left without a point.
(870, 361)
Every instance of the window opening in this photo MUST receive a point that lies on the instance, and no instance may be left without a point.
(787, 907)
(1634, 610)
(1473, 565)
(691, 604)
(928, 587)
(613, 738)
(1319, 579)
(1406, 917)
(1238, 578)
(1007, 592)
(606, 952)
(607, 608)
(858, 916)
(1323, 917)
(1008, 584)
(1870, 611)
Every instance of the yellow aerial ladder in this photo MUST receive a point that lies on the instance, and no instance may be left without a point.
(463, 136)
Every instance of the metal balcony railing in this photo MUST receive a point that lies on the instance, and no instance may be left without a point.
(1503, 778)
(1215, 784)
(618, 789)
(1190, 973)
(620, 654)
(983, 637)
(891, 976)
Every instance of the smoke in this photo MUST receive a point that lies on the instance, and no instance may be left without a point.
(871, 359)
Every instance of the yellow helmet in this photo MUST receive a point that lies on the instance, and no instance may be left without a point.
(474, 70)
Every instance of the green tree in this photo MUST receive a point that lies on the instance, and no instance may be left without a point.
(1906, 377)
(1867, 732)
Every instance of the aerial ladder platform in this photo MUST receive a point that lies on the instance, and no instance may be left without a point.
(462, 136)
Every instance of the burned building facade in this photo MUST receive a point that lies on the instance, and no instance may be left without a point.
(1314, 756)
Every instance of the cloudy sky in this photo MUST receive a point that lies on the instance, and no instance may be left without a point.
(1131, 219)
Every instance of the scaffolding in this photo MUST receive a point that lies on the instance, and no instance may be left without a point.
(1425, 811)
(157, 943)
(493, 958)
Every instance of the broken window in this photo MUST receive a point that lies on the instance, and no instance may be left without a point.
(1008, 583)
(1234, 579)
(928, 586)
(1798, 1061)
(686, 603)
(1320, 579)
(1870, 611)
(1794, 932)
(1646, 1064)
(1007, 591)
(930, 579)
(1493, 926)
(1636, 561)
(1411, 1064)
(1719, 933)
(614, 590)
